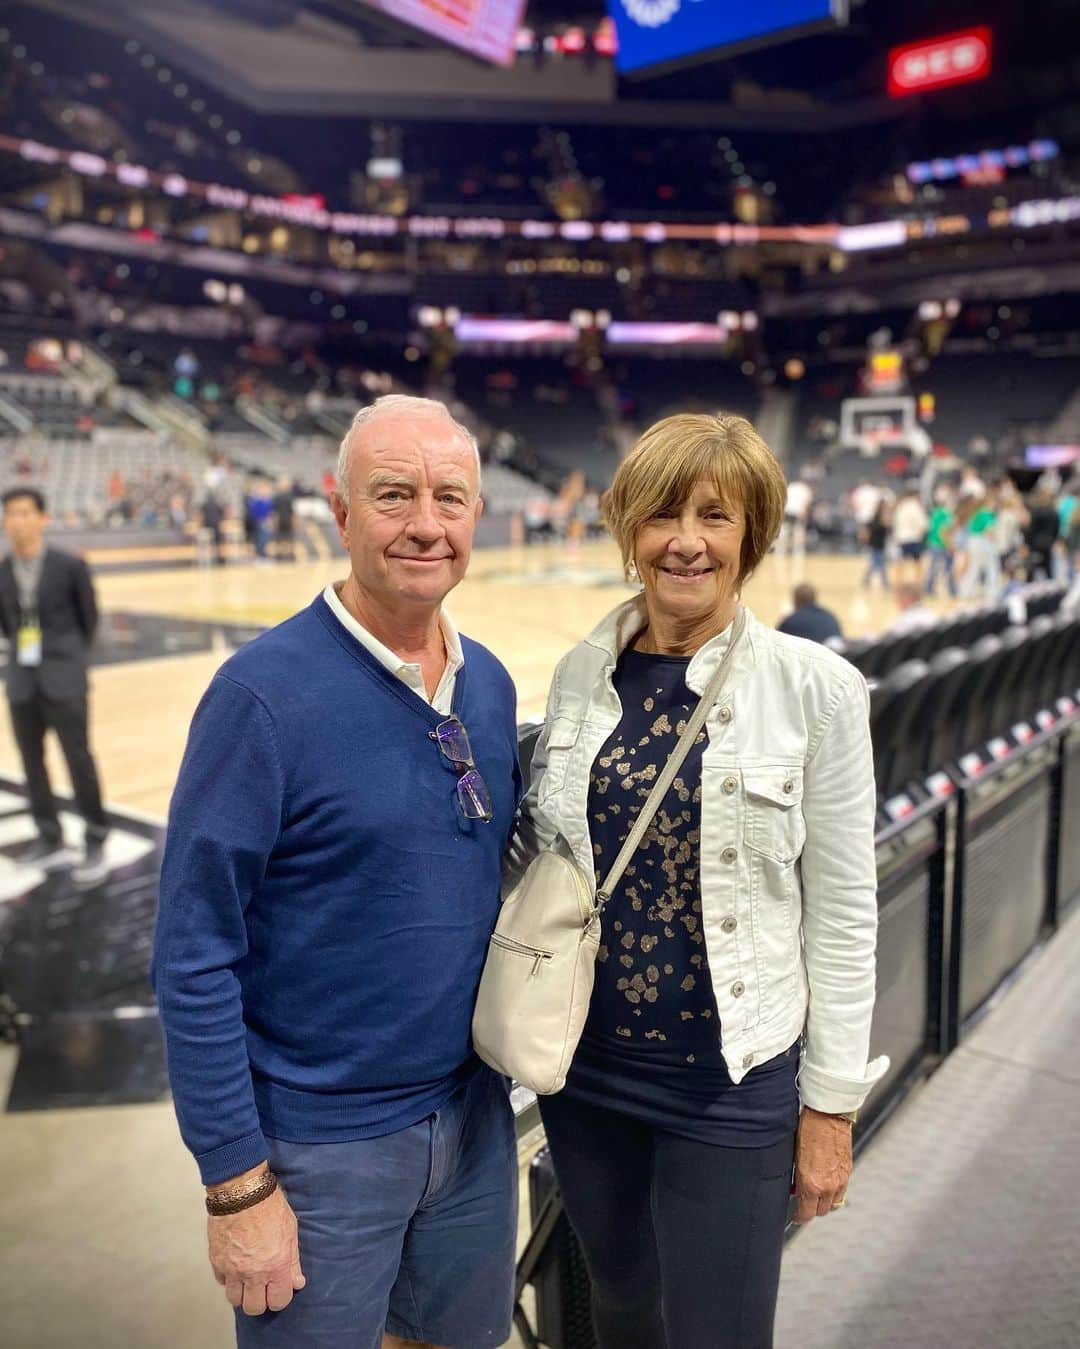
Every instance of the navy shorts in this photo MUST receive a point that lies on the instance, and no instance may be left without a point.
(413, 1233)
(912, 550)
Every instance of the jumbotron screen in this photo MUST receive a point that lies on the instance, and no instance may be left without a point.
(660, 33)
(484, 28)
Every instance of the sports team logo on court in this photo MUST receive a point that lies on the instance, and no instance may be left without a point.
(651, 13)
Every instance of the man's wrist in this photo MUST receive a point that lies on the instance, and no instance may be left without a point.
(237, 1182)
(244, 1194)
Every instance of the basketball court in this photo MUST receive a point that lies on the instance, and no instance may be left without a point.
(529, 605)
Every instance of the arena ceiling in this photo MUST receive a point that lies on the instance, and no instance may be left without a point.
(331, 57)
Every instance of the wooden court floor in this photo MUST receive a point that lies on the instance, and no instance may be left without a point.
(528, 605)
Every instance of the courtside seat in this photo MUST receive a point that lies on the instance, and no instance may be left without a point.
(987, 659)
(913, 722)
(952, 673)
(895, 703)
(1011, 696)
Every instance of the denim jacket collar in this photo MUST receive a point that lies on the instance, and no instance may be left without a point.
(617, 630)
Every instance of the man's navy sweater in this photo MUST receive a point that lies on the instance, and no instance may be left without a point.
(325, 906)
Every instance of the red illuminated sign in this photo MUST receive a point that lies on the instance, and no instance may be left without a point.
(954, 59)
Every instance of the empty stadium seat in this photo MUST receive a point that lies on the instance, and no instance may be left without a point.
(888, 701)
(952, 672)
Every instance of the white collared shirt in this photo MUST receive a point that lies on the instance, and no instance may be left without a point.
(411, 675)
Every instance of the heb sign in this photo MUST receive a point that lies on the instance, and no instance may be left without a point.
(954, 59)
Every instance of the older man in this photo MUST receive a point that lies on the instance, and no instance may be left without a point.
(330, 881)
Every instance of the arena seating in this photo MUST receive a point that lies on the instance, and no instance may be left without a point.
(927, 714)
(878, 656)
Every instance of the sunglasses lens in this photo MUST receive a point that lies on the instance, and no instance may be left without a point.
(454, 741)
(474, 796)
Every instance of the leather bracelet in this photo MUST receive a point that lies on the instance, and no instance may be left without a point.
(223, 1203)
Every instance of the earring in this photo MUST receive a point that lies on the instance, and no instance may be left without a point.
(632, 571)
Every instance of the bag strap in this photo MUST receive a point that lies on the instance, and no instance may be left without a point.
(674, 763)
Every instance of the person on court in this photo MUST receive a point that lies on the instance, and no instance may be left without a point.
(330, 881)
(725, 1050)
(48, 613)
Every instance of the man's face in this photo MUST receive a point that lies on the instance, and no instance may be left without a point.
(414, 501)
(24, 524)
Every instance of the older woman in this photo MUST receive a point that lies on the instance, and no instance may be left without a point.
(728, 1033)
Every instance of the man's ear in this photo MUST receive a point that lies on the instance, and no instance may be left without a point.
(340, 507)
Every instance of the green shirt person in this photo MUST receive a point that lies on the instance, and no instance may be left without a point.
(938, 533)
(984, 519)
(939, 541)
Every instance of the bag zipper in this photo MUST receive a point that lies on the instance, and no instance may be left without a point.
(520, 949)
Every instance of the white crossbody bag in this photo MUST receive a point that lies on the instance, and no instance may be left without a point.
(541, 961)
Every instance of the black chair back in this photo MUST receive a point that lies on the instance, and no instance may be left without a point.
(951, 669)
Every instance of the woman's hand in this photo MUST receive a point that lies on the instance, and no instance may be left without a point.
(822, 1163)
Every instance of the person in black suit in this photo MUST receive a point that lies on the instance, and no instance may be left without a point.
(48, 615)
(809, 619)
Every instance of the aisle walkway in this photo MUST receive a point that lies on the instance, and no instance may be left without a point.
(963, 1228)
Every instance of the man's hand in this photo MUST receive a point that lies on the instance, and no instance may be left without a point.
(255, 1255)
(822, 1164)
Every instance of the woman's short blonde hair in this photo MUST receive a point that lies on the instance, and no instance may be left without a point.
(674, 455)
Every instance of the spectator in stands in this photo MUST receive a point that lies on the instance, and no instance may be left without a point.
(1012, 520)
(876, 538)
(186, 371)
(800, 499)
(1072, 543)
(971, 483)
(909, 527)
(258, 510)
(1041, 535)
(809, 619)
(914, 614)
(284, 519)
(1014, 593)
(939, 542)
(676, 1133)
(211, 518)
(538, 518)
(865, 500)
(49, 616)
(330, 882)
(982, 572)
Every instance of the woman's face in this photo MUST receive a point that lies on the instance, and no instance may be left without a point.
(689, 557)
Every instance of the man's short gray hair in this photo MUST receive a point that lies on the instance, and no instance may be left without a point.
(395, 402)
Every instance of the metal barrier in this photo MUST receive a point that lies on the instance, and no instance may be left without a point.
(1007, 821)
(1068, 840)
(911, 860)
(970, 881)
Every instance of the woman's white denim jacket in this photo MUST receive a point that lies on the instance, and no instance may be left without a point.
(788, 875)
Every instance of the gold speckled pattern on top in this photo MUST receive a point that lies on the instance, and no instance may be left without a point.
(652, 982)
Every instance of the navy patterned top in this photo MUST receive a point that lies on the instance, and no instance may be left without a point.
(651, 1046)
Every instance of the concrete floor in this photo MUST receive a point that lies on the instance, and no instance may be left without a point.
(103, 1232)
(963, 1230)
